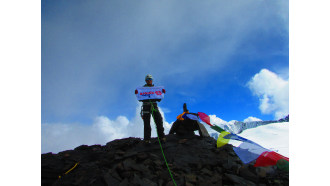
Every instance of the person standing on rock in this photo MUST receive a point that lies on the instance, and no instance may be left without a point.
(146, 113)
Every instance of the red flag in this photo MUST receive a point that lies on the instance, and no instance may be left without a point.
(204, 118)
(269, 158)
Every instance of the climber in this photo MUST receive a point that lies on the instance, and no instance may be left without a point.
(187, 123)
(146, 112)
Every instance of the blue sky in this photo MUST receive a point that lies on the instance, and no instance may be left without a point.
(224, 58)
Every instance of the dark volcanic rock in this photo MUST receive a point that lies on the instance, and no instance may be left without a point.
(192, 161)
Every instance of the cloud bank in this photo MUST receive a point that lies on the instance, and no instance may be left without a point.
(272, 91)
(58, 137)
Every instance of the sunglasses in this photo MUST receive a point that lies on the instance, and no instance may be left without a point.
(148, 79)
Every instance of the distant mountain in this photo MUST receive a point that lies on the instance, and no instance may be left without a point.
(237, 127)
(192, 161)
(286, 119)
(214, 135)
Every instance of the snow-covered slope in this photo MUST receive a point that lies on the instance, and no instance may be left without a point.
(273, 136)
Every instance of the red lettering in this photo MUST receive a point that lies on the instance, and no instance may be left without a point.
(146, 93)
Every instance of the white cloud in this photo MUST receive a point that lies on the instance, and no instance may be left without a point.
(273, 93)
(58, 137)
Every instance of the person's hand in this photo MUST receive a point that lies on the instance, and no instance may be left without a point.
(163, 91)
(136, 91)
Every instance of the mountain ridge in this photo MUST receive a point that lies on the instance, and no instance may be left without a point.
(193, 160)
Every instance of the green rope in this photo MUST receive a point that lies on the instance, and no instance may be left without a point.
(161, 148)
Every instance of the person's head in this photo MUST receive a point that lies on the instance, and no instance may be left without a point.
(149, 79)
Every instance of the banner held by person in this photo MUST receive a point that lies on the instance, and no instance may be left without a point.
(144, 93)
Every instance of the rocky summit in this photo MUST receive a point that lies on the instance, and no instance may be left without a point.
(192, 160)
